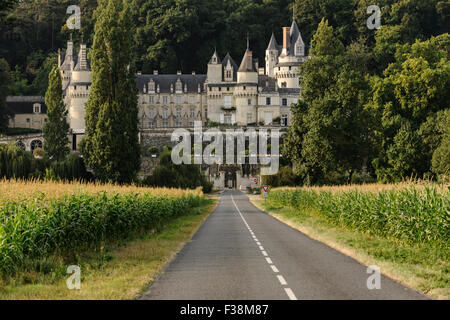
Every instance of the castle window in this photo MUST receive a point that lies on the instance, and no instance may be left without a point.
(249, 118)
(165, 99)
(165, 124)
(227, 101)
(178, 86)
(152, 113)
(151, 86)
(192, 113)
(228, 88)
(191, 99)
(284, 102)
(37, 108)
(284, 85)
(249, 102)
(245, 87)
(220, 88)
(179, 124)
(210, 89)
(165, 113)
(268, 101)
(151, 99)
(28, 120)
(178, 99)
(178, 112)
(36, 144)
(284, 120)
(74, 87)
(290, 68)
(151, 124)
(191, 124)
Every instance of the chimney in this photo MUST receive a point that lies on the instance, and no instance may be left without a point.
(83, 57)
(286, 39)
(155, 72)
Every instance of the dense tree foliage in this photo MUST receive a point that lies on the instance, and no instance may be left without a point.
(56, 129)
(383, 111)
(187, 176)
(176, 35)
(4, 91)
(111, 145)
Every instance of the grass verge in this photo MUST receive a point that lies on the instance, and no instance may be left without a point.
(417, 266)
(119, 272)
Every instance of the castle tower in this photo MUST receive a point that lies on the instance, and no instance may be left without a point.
(78, 91)
(246, 90)
(271, 56)
(214, 69)
(66, 62)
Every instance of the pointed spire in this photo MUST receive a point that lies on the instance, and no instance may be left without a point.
(293, 11)
(248, 42)
(215, 58)
(273, 45)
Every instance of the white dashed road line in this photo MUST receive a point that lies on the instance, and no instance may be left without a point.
(281, 279)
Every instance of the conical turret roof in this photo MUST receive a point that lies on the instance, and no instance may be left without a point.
(273, 45)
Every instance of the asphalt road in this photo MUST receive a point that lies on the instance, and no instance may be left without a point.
(241, 252)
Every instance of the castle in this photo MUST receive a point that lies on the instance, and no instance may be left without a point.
(244, 95)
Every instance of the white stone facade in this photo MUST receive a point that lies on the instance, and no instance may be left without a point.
(227, 94)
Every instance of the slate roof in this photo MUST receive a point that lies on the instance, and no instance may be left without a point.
(247, 64)
(165, 80)
(273, 45)
(233, 64)
(24, 104)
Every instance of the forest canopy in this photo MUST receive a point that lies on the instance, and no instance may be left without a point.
(176, 35)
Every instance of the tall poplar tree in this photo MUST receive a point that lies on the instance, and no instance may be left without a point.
(4, 84)
(111, 145)
(56, 130)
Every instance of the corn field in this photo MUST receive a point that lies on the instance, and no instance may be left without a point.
(412, 214)
(39, 219)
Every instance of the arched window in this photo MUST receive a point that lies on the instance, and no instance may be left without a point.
(36, 144)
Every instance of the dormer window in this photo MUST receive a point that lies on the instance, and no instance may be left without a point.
(151, 86)
(37, 108)
(179, 86)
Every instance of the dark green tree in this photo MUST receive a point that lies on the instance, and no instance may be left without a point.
(412, 90)
(4, 91)
(111, 145)
(56, 130)
(329, 134)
